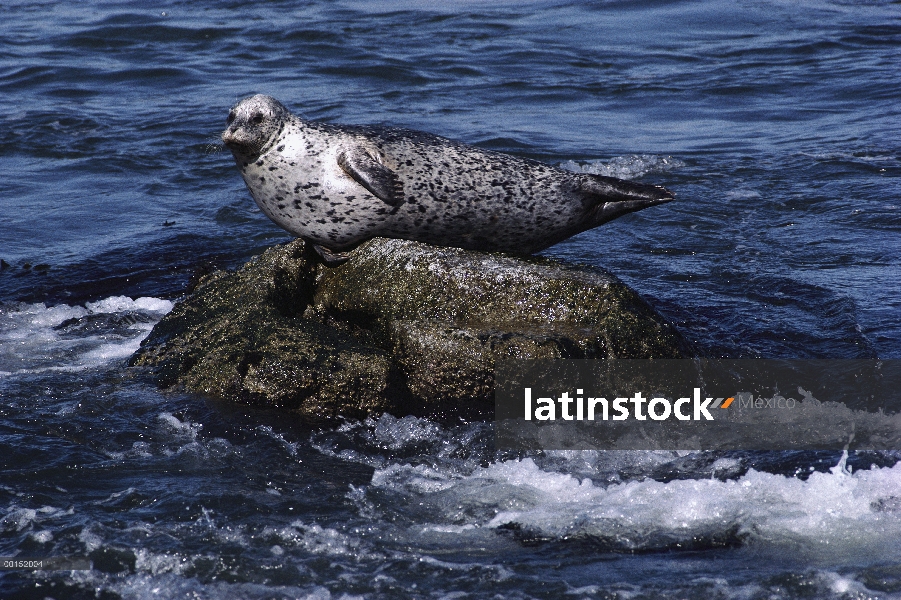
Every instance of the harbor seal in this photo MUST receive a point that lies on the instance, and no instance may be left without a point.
(336, 186)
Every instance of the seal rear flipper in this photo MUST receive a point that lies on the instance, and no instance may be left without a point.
(378, 179)
(611, 189)
(611, 197)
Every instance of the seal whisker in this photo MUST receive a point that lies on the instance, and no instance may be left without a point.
(214, 147)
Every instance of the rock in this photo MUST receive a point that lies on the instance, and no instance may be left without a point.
(402, 327)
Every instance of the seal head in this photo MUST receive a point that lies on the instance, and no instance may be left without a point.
(253, 125)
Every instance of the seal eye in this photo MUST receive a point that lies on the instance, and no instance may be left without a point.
(231, 118)
(257, 119)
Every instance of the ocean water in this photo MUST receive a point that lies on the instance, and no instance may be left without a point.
(776, 123)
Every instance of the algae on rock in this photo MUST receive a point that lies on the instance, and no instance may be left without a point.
(402, 326)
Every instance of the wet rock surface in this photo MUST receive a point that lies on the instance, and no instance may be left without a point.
(402, 326)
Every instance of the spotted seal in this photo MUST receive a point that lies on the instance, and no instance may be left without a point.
(338, 185)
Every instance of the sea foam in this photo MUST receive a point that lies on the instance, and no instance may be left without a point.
(35, 337)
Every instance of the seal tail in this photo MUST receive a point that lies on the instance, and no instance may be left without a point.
(610, 197)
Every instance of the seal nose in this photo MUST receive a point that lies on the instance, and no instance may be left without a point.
(229, 134)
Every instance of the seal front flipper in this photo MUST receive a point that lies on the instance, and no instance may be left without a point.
(329, 258)
(610, 197)
(381, 181)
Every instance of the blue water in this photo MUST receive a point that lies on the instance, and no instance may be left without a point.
(777, 124)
